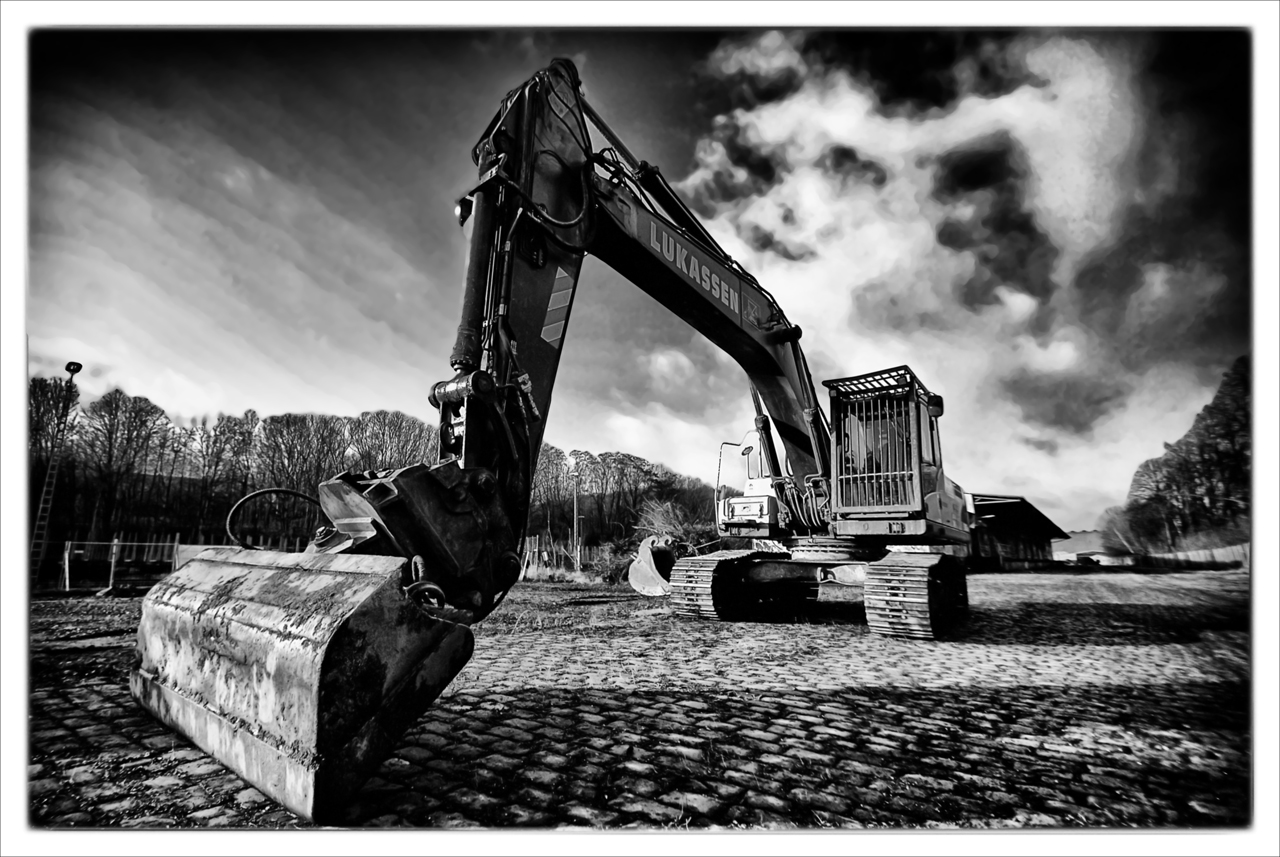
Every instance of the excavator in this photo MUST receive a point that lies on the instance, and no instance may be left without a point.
(301, 671)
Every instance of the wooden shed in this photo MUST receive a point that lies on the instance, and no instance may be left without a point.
(1010, 534)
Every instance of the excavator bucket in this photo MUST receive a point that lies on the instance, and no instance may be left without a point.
(299, 671)
(650, 571)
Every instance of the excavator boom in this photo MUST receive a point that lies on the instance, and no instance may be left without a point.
(724, 304)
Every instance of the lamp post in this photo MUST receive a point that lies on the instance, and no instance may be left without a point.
(40, 532)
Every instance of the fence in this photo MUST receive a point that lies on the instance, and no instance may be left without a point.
(105, 564)
(547, 553)
(132, 564)
(1235, 556)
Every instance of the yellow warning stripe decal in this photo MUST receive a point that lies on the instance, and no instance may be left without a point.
(558, 307)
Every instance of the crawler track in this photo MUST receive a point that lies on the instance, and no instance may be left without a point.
(918, 596)
(911, 595)
(713, 587)
(701, 585)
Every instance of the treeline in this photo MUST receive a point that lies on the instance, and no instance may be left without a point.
(128, 469)
(1198, 493)
(620, 497)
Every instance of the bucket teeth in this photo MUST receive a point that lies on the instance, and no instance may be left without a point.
(299, 672)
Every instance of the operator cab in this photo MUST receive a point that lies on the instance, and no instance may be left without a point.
(746, 504)
(887, 461)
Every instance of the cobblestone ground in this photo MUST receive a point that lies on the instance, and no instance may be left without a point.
(1098, 700)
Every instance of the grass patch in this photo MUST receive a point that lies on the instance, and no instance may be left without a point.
(543, 574)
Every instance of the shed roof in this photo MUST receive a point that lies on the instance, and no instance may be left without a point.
(1006, 512)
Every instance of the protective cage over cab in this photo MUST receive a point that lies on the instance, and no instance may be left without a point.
(885, 452)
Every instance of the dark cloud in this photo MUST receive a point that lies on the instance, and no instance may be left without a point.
(1172, 288)
(762, 165)
(909, 70)
(1190, 222)
(763, 240)
(744, 90)
(978, 165)
(746, 170)
(1043, 444)
(845, 163)
(1070, 402)
(1105, 285)
(1198, 309)
(922, 70)
(988, 178)
(1200, 82)
(882, 305)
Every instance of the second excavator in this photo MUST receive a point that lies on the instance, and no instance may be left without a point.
(301, 671)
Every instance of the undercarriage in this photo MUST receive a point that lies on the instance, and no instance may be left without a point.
(911, 595)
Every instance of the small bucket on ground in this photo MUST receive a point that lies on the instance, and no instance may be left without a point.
(650, 572)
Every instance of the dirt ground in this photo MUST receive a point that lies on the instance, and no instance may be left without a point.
(1113, 700)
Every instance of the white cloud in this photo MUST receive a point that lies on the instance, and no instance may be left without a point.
(1058, 355)
(669, 371)
(1019, 306)
(774, 53)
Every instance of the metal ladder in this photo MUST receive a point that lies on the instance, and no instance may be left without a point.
(39, 536)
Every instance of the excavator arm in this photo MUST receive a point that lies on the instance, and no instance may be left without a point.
(544, 200)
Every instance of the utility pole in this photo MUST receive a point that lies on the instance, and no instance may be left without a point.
(577, 551)
(39, 535)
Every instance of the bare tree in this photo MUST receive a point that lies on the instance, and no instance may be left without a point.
(553, 486)
(1117, 538)
(589, 481)
(300, 451)
(114, 439)
(297, 451)
(50, 402)
(216, 459)
(627, 477)
(45, 397)
(154, 475)
(383, 440)
(45, 402)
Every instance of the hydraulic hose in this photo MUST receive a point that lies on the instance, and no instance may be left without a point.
(260, 492)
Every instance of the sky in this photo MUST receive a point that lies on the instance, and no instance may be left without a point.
(1052, 228)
